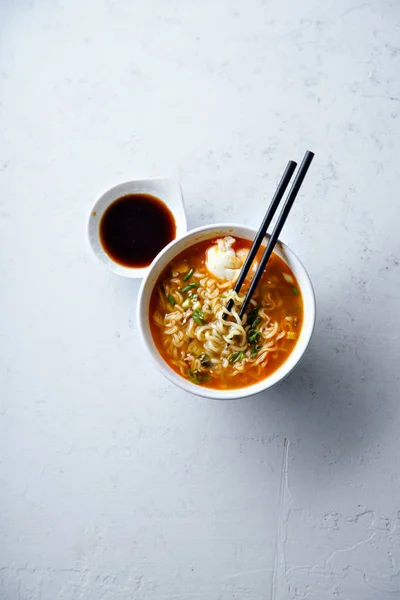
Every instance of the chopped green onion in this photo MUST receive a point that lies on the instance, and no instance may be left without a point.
(198, 317)
(253, 315)
(288, 278)
(189, 286)
(188, 275)
(205, 360)
(234, 357)
(197, 377)
(193, 377)
(253, 335)
(209, 306)
(256, 322)
(171, 300)
(182, 267)
(295, 291)
(255, 350)
(186, 303)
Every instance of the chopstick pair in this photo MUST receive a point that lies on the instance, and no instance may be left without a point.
(294, 190)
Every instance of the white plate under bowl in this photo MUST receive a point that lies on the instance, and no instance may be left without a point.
(166, 189)
(209, 232)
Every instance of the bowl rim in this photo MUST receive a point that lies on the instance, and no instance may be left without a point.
(145, 331)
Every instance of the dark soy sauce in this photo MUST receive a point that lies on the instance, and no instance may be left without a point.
(135, 228)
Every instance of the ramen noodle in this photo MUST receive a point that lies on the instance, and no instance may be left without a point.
(213, 347)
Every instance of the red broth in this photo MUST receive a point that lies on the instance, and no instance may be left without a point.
(280, 299)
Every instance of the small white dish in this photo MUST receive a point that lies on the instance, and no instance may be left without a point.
(165, 189)
(210, 232)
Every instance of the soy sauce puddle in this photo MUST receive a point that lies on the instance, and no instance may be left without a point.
(135, 228)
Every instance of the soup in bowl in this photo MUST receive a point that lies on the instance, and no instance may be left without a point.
(198, 343)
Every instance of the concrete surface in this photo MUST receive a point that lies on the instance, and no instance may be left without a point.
(114, 484)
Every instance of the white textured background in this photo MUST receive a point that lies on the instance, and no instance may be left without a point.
(114, 485)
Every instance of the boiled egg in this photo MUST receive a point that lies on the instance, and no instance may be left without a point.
(222, 261)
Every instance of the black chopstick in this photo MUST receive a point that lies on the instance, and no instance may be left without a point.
(298, 180)
(269, 215)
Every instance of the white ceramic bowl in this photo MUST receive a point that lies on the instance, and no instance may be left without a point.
(166, 189)
(209, 232)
